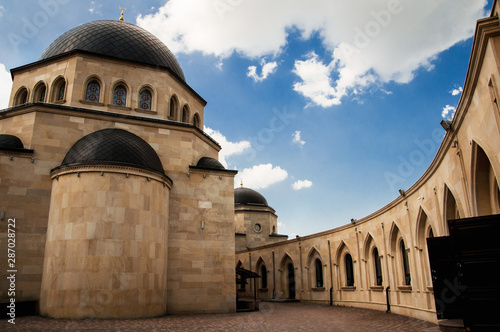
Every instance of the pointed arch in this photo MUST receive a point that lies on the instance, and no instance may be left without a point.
(398, 245)
(196, 120)
(424, 230)
(484, 184)
(342, 247)
(422, 227)
(185, 113)
(394, 233)
(315, 269)
(345, 263)
(373, 264)
(286, 257)
(312, 253)
(368, 243)
(452, 208)
(288, 276)
(261, 269)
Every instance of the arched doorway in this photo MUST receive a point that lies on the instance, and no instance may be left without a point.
(291, 281)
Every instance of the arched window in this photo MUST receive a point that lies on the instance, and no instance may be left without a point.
(263, 275)
(173, 108)
(185, 114)
(93, 91)
(196, 120)
(349, 271)
(120, 96)
(21, 97)
(378, 267)
(145, 99)
(61, 91)
(40, 91)
(406, 264)
(318, 266)
(58, 90)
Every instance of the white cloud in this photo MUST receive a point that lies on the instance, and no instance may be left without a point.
(448, 110)
(456, 92)
(228, 148)
(261, 176)
(5, 86)
(2, 10)
(268, 68)
(371, 43)
(297, 139)
(95, 8)
(301, 184)
(316, 83)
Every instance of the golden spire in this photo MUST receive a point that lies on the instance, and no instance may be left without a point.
(121, 16)
(241, 184)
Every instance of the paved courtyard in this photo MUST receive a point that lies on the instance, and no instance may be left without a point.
(271, 317)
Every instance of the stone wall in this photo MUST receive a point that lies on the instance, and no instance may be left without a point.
(106, 247)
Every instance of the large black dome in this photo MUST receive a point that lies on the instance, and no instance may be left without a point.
(118, 40)
(247, 196)
(209, 163)
(10, 142)
(113, 147)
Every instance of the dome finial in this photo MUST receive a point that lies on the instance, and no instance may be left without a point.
(121, 16)
(241, 184)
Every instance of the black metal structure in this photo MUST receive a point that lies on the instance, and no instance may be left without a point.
(241, 279)
(465, 269)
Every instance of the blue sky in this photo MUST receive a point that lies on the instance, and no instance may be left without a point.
(326, 107)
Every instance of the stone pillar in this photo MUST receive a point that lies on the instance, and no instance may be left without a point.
(106, 247)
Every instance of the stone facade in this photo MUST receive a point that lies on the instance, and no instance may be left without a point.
(386, 252)
(112, 241)
(256, 226)
(104, 240)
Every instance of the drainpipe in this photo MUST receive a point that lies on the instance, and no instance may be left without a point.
(387, 289)
(254, 293)
(274, 279)
(331, 273)
(250, 262)
(301, 270)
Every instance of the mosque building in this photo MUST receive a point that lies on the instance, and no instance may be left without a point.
(122, 209)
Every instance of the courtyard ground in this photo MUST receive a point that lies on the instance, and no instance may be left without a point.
(273, 316)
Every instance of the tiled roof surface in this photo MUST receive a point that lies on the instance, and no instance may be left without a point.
(115, 39)
(113, 147)
(247, 196)
(209, 163)
(11, 142)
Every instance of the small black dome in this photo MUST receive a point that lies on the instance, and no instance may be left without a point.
(210, 163)
(10, 142)
(113, 147)
(118, 40)
(247, 196)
